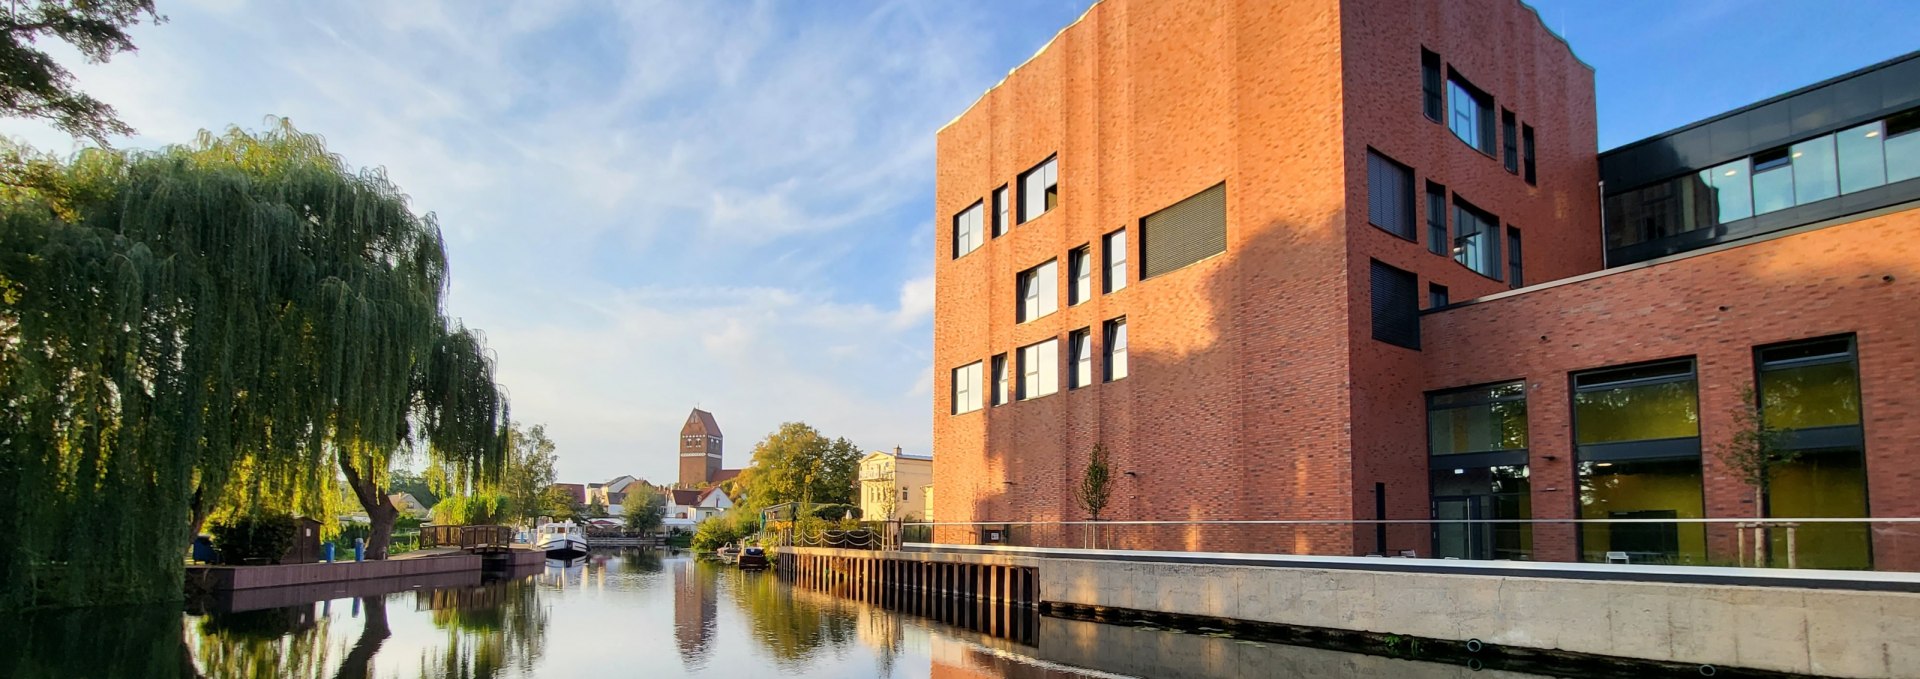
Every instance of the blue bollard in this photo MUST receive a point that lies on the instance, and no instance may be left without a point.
(329, 552)
(359, 549)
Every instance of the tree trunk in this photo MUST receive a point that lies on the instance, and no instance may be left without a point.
(381, 513)
(198, 511)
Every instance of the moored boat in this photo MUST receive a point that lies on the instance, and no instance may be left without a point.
(753, 558)
(562, 540)
(727, 553)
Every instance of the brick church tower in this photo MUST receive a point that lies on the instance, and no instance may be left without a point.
(700, 442)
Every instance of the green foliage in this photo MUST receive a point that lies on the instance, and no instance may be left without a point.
(214, 324)
(798, 464)
(594, 510)
(529, 472)
(259, 537)
(556, 503)
(472, 510)
(722, 530)
(645, 509)
(1754, 448)
(1096, 484)
(836, 512)
(33, 85)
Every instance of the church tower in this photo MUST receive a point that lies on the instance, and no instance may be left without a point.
(700, 442)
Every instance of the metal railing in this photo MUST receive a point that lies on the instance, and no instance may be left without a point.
(1887, 544)
(470, 538)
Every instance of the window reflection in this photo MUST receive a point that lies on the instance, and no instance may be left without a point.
(1813, 171)
(1636, 404)
(1642, 489)
(1482, 419)
(1852, 160)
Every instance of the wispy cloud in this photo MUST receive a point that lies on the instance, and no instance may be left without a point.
(648, 205)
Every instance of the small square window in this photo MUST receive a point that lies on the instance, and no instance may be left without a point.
(1039, 189)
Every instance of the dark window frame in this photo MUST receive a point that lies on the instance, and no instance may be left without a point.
(1002, 204)
(1052, 191)
(1516, 269)
(1438, 241)
(1526, 146)
(1079, 341)
(1509, 142)
(1107, 251)
(1437, 296)
(1395, 326)
(1490, 227)
(1108, 329)
(1079, 261)
(1378, 166)
(1484, 106)
(1432, 87)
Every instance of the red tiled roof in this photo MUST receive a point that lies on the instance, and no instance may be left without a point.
(686, 497)
(701, 422)
(725, 474)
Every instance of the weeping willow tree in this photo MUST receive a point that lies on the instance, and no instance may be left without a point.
(239, 321)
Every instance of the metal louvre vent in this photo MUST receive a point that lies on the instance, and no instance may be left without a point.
(1185, 232)
(1396, 306)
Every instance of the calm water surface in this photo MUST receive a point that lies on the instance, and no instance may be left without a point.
(652, 614)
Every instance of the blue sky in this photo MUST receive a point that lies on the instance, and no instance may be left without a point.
(652, 205)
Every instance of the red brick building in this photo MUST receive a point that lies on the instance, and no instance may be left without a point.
(1263, 253)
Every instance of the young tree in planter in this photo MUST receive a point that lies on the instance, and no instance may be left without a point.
(1096, 484)
(1751, 453)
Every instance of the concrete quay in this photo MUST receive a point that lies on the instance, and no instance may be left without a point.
(1822, 630)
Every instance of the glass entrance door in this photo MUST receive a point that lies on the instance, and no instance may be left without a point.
(1453, 537)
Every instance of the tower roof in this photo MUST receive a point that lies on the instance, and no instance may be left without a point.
(700, 422)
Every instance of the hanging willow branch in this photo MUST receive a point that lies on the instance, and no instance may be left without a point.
(215, 323)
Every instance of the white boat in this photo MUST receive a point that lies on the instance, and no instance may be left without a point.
(562, 540)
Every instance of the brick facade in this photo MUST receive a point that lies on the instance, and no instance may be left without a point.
(1256, 389)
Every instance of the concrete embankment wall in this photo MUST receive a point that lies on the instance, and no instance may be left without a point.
(1817, 631)
(1831, 632)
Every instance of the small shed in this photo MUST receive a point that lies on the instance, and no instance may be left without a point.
(306, 542)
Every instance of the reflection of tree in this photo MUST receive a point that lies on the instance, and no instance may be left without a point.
(119, 641)
(359, 661)
(792, 629)
(489, 628)
(277, 642)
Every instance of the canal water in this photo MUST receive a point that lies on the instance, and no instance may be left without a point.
(655, 614)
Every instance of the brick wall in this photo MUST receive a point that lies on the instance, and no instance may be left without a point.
(1860, 277)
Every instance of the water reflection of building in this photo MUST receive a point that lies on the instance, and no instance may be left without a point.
(693, 610)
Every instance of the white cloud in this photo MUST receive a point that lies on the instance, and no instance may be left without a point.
(648, 205)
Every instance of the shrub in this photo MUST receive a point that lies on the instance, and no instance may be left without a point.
(255, 538)
(836, 512)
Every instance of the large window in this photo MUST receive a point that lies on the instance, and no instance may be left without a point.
(1002, 381)
(1431, 98)
(1636, 432)
(1185, 232)
(1436, 218)
(1389, 195)
(966, 388)
(1810, 392)
(1477, 241)
(1396, 306)
(1080, 271)
(1039, 369)
(1477, 452)
(1000, 207)
(1470, 114)
(1478, 420)
(1114, 248)
(1080, 343)
(1809, 171)
(1039, 190)
(1116, 336)
(1037, 294)
(967, 234)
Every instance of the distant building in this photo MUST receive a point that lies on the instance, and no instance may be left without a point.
(408, 505)
(893, 484)
(575, 492)
(701, 444)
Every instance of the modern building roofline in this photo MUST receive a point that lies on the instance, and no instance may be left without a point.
(1767, 101)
